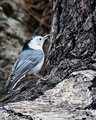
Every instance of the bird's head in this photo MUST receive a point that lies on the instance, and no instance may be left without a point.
(35, 42)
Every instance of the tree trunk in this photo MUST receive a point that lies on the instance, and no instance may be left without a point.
(71, 62)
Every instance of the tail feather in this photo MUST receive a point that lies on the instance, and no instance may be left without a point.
(11, 83)
(11, 86)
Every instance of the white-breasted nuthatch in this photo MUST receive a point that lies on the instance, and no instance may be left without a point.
(30, 61)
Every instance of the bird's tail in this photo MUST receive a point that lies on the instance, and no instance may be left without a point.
(11, 83)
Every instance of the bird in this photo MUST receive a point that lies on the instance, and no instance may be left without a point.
(29, 62)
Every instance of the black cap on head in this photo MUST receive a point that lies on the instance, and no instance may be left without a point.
(26, 42)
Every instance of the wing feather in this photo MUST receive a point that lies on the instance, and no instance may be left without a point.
(26, 61)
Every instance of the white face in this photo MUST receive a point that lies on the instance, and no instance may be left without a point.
(37, 42)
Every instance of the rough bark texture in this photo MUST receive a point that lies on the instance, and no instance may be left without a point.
(71, 63)
(66, 101)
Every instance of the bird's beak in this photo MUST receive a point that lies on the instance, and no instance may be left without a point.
(46, 37)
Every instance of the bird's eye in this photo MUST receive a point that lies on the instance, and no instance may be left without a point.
(40, 39)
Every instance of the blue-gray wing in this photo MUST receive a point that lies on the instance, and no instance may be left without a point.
(27, 61)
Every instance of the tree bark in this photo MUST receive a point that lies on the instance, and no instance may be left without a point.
(71, 61)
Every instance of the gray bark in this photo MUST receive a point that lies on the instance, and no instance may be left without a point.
(67, 101)
(70, 69)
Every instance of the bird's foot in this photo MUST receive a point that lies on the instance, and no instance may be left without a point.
(44, 79)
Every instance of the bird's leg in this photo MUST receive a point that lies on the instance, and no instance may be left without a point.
(44, 79)
(40, 76)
